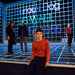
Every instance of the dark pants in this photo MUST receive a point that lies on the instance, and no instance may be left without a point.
(70, 39)
(23, 39)
(10, 45)
(37, 66)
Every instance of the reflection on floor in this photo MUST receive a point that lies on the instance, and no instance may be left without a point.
(60, 54)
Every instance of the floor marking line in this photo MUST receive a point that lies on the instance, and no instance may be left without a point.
(61, 54)
(72, 51)
(54, 49)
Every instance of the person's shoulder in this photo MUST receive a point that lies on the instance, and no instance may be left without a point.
(34, 42)
(8, 27)
(67, 28)
(45, 40)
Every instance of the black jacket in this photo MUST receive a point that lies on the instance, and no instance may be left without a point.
(25, 31)
(10, 32)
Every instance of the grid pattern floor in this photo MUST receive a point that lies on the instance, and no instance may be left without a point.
(60, 54)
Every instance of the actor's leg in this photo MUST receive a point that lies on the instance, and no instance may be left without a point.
(25, 43)
(21, 43)
(69, 44)
(32, 67)
(71, 38)
(10, 45)
(41, 70)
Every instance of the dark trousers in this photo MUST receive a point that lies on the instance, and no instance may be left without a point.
(37, 66)
(10, 45)
(70, 39)
(23, 39)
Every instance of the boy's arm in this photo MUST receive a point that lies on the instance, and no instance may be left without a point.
(33, 52)
(48, 53)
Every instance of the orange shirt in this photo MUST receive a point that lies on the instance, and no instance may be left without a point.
(68, 30)
(41, 49)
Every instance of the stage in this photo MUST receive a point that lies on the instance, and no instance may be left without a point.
(60, 53)
(62, 59)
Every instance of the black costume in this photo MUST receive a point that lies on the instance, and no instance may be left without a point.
(25, 31)
(11, 33)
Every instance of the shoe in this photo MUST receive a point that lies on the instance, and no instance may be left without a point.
(10, 53)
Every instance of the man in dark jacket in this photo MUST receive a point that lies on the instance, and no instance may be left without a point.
(23, 34)
(10, 36)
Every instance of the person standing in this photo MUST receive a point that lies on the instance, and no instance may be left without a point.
(23, 34)
(40, 54)
(10, 36)
(69, 34)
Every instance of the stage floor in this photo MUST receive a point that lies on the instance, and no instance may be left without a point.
(60, 54)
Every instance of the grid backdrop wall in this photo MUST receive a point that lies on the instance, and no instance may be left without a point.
(52, 16)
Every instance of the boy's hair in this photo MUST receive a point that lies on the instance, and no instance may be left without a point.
(39, 30)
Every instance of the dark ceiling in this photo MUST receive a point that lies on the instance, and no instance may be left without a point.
(9, 1)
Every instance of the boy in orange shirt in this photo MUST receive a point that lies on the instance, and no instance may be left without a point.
(40, 54)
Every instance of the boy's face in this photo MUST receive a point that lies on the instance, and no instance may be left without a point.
(39, 35)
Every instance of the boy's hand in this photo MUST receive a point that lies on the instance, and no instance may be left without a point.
(47, 64)
(28, 63)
